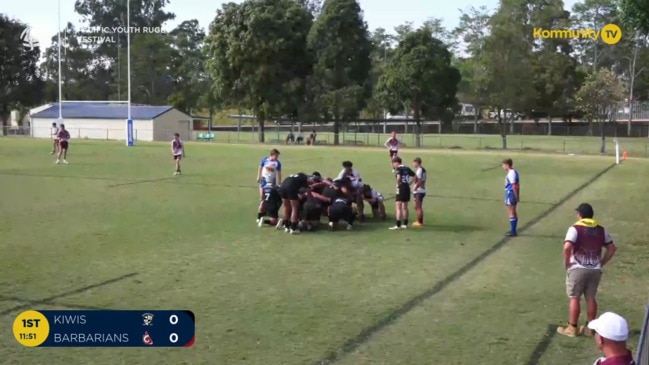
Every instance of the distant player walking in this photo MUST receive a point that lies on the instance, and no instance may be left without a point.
(393, 144)
(419, 191)
(178, 152)
(512, 195)
(64, 140)
(55, 139)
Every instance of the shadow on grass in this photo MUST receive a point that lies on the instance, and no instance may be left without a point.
(20, 173)
(482, 199)
(543, 345)
(138, 182)
(377, 225)
(365, 335)
(51, 300)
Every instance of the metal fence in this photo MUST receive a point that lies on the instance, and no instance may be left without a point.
(635, 147)
(637, 128)
(642, 357)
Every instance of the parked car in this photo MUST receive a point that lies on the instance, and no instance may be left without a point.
(507, 114)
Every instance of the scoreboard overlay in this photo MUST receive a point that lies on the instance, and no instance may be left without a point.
(105, 328)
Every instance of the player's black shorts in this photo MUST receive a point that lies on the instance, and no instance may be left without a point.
(403, 194)
(272, 207)
(341, 211)
(311, 211)
(419, 197)
(393, 153)
(289, 191)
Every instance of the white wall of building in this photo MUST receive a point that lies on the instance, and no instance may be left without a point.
(173, 121)
(106, 129)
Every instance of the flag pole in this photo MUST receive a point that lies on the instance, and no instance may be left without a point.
(60, 76)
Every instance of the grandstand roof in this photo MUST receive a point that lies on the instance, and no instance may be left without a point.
(102, 110)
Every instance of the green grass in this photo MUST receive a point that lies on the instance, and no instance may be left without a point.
(263, 297)
(636, 147)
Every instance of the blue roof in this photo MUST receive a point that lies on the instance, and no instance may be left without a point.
(102, 111)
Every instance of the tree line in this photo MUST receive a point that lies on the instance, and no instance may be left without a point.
(317, 61)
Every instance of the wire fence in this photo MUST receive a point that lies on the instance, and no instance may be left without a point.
(642, 357)
(635, 147)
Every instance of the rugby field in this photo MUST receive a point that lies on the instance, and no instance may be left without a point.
(115, 230)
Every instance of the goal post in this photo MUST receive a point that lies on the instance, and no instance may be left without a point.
(620, 155)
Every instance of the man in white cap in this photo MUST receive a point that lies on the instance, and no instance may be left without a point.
(611, 333)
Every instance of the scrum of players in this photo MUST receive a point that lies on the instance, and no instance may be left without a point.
(298, 202)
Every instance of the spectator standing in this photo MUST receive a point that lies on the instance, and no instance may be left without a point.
(583, 261)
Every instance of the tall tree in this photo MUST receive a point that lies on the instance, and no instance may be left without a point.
(150, 84)
(188, 65)
(257, 56)
(112, 13)
(20, 84)
(598, 99)
(631, 68)
(339, 41)
(421, 77)
(439, 31)
(554, 70)
(636, 14)
(472, 32)
(151, 78)
(312, 6)
(402, 30)
(595, 14)
(382, 50)
(78, 81)
(506, 63)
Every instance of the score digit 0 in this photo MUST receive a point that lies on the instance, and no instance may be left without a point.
(173, 338)
(173, 319)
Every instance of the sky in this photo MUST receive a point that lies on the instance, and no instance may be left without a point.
(42, 15)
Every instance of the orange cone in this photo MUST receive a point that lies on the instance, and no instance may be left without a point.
(624, 154)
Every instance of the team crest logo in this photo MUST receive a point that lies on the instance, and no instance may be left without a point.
(146, 339)
(147, 319)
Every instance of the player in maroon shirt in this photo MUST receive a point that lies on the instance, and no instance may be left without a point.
(64, 139)
(178, 151)
(393, 144)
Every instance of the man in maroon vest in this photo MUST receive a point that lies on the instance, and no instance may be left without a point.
(583, 260)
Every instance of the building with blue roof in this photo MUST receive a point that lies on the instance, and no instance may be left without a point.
(105, 120)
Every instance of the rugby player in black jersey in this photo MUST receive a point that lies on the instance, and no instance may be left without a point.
(341, 210)
(404, 174)
(375, 200)
(289, 190)
(312, 206)
(269, 207)
(352, 180)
